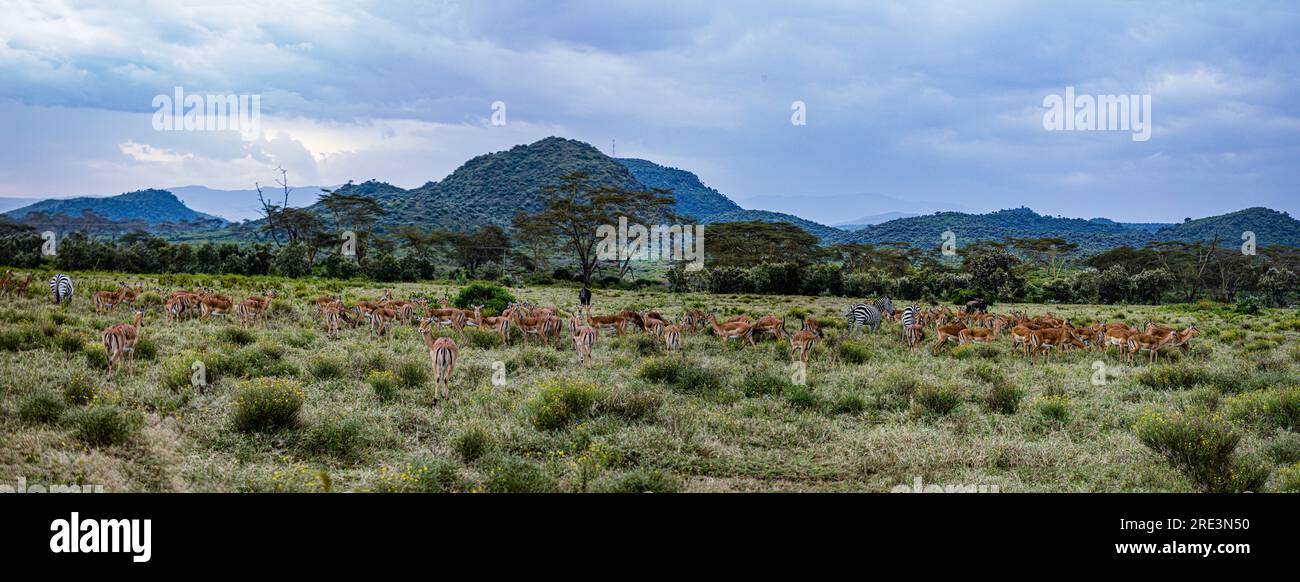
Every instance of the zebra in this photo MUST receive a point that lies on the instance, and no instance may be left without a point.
(911, 317)
(863, 313)
(885, 305)
(61, 288)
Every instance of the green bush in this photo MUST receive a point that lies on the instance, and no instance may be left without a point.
(848, 403)
(344, 439)
(104, 425)
(42, 406)
(765, 383)
(533, 359)
(680, 375)
(236, 335)
(1289, 479)
(510, 474)
(267, 404)
(483, 340)
(471, 443)
(561, 402)
(629, 405)
(1202, 446)
(1054, 408)
(1284, 448)
(1270, 409)
(1166, 377)
(412, 374)
(938, 400)
(494, 298)
(802, 397)
(642, 481)
(80, 389)
(422, 474)
(1003, 398)
(854, 352)
(325, 367)
(384, 383)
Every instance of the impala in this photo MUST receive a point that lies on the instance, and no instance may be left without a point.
(1040, 340)
(980, 335)
(802, 342)
(584, 339)
(442, 358)
(614, 323)
(735, 330)
(672, 335)
(947, 333)
(120, 340)
(1148, 342)
(693, 318)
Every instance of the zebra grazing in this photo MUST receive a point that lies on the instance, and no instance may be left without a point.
(863, 313)
(61, 288)
(885, 305)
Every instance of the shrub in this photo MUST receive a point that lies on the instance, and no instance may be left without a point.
(384, 384)
(643, 345)
(471, 443)
(559, 403)
(236, 335)
(643, 481)
(325, 367)
(267, 404)
(42, 406)
(79, 390)
(1284, 448)
(938, 400)
(854, 352)
(800, 396)
(412, 374)
(1289, 479)
(1054, 409)
(848, 403)
(68, 343)
(1273, 408)
(765, 383)
(343, 439)
(483, 340)
(1202, 446)
(511, 474)
(493, 298)
(1164, 377)
(629, 405)
(680, 375)
(533, 358)
(422, 474)
(103, 425)
(1003, 398)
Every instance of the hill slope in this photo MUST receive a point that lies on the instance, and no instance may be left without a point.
(694, 199)
(1270, 227)
(150, 206)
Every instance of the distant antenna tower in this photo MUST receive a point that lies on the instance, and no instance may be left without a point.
(613, 148)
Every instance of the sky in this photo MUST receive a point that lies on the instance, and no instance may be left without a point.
(912, 104)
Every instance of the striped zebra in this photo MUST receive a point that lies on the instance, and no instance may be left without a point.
(61, 288)
(863, 314)
(885, 305)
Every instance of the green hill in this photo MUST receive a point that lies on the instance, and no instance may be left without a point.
(1270, 227)
(694, 199)
(152, 207)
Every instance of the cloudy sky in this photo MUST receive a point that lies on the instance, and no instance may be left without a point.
(940, 102)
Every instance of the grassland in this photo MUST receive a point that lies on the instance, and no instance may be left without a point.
(358, 413)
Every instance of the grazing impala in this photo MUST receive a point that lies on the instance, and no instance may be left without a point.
(442, 357)
(214, 304)
(105, 301)
(584, 339)
(672, 336)
(980, 335)
(772, 325)
(332, 312)
(13, 286)
(693, 318)
(736, 330)
(120, 340)
(1147, 342)
(802, 341)
(614, 323)
(381, 318)
(948, 333)
(1054, 338)
(539, 326)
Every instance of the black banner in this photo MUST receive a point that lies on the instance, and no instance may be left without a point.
(308, 532)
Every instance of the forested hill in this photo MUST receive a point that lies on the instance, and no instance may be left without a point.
(694, 199)
(1270, 227)
(148, 206)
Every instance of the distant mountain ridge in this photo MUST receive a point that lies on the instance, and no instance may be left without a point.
(150, 206)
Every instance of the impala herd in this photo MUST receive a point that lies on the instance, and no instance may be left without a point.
(1030, 336)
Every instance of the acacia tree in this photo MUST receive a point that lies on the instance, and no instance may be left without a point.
(573, 211)
(745, 244)
(353, 212)
(1046, 250)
